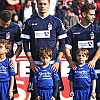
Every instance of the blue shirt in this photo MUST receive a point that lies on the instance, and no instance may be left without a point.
(45, 77)
(5, 70)
(82, 76)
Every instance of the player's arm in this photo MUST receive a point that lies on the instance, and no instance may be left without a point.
(55, 88)
(95, 58)
(69, 58)
(11, 87)
(55, 66)
(29, 56)
(17, 53)
(36, 94)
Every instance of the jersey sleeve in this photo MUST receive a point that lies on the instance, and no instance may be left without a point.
(61, 32)
(11, 71)
(35, 78)
(26, 31)
(71, 75)
(69, 39)
(55, 76)
(93, 74)
(17, 37)
(98, 36)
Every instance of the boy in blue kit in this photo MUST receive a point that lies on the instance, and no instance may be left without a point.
(45, 80)
(6, 72)
(83, 79)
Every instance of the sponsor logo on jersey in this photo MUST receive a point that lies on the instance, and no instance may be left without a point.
(86, 44)
(42, 34)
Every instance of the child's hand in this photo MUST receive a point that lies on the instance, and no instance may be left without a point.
(10, 94)
(93, 95)
(38, 98)
(53, 98)
(71, 94)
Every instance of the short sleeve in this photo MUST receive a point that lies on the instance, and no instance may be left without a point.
(55, 76)
(71, 75)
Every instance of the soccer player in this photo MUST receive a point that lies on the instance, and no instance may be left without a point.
(85, 35)
(43, 30)
(11, 32)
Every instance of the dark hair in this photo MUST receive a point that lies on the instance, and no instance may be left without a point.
(5, 15)
(86, 7)
(44, 52)
(6, 43)
(27, 1)
(69, 9)
(13, 15)
(83, 51)
(38, 0)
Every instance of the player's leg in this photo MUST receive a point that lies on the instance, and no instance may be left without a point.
(98, 88)
(61, 87)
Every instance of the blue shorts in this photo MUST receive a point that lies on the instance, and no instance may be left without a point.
(4, 90)
(82, 94)
(45, 94)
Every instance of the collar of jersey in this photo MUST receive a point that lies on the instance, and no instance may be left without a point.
(43, 17)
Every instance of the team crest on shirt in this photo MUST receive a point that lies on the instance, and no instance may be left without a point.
(92, 35)
(49, 26)
(7, 35)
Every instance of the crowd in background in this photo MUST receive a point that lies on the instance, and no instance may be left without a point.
(69, 12)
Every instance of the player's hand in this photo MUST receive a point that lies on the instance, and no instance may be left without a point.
(34, 67)
(71, 94)
(91, 63)
(38, 98)
(12, 62)
(10, 94)
(53, 98)
(72, 65)
(55, 66)
(93, 95)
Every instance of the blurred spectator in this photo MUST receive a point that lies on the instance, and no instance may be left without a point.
(97, 3)
(52, 9)
(59, 10)
(16, 20)
(27, 11)
(70, 18)
(34, 6)
(77, 8)
(12, 5)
